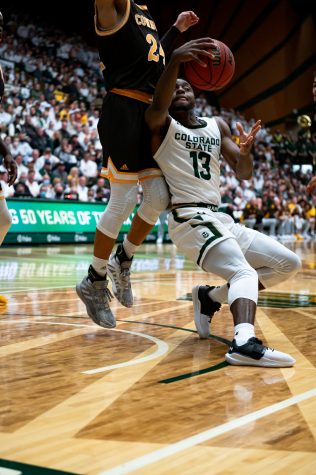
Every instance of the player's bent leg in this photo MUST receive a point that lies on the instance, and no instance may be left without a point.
(227, 260)
(93, 290)
(273, 262)
(155, 200)
(121, 205)
(122, 202)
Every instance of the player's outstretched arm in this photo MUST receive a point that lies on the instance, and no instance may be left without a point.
(239, 158)
(8, 162)
(184, 21)
(157, 114)
(110, 12)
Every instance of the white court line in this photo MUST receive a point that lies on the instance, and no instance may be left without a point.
(44, 322)
(9, 471)
(184, 444)
(37, 302)
(34, 289)
(162, 349)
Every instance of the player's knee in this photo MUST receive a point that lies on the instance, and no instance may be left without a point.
(245, 272)
(293, 264)
(121, 205)
(156, 193)
(148, 214)
(122, 202)
(156, 199)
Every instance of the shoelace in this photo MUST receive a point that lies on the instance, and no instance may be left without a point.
(103, 296)
(108, 295)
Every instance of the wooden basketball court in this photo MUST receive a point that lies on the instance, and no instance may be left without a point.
(149, 397)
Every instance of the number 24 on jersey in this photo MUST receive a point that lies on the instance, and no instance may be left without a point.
(155, 50)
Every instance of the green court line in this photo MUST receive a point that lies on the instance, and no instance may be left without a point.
(214, 337)
(182, 376)
(27, 469)
(216, 367)
(195, 373)
(284, 292)
(277, 300)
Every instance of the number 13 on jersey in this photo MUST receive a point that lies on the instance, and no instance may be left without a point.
(204, 159)
(155, 51)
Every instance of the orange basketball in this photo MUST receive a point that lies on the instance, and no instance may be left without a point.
(218, 72)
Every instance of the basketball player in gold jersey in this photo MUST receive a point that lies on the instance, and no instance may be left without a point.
(188, 150)
(10, 165)
(132, 59)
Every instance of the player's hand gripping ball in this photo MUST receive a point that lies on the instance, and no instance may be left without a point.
(218, 72)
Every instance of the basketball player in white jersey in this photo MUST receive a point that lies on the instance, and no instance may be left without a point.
(10, 165)
(188, 150)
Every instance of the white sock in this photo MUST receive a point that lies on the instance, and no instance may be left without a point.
(129, 248)
(99, 265)
(243, 332)
(219, 294)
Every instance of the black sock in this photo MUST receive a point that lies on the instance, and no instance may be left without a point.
(94, 276)
(121, 254)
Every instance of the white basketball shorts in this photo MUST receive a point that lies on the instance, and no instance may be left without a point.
(196, 230)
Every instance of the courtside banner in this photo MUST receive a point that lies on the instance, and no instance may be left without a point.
(45, 221)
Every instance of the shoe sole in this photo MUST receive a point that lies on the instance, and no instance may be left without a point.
(101, 324)
(197, 313)
(237, 359)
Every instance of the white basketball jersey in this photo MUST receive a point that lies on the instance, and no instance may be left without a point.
(189, 160)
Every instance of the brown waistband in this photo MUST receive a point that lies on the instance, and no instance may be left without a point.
(133, 94)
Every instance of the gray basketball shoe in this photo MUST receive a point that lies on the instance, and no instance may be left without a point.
(96, 296)
(118, 268)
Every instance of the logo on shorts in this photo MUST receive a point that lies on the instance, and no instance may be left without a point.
(124, 167)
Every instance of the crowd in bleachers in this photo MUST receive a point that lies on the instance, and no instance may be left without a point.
(49, 116)
(275, 199)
